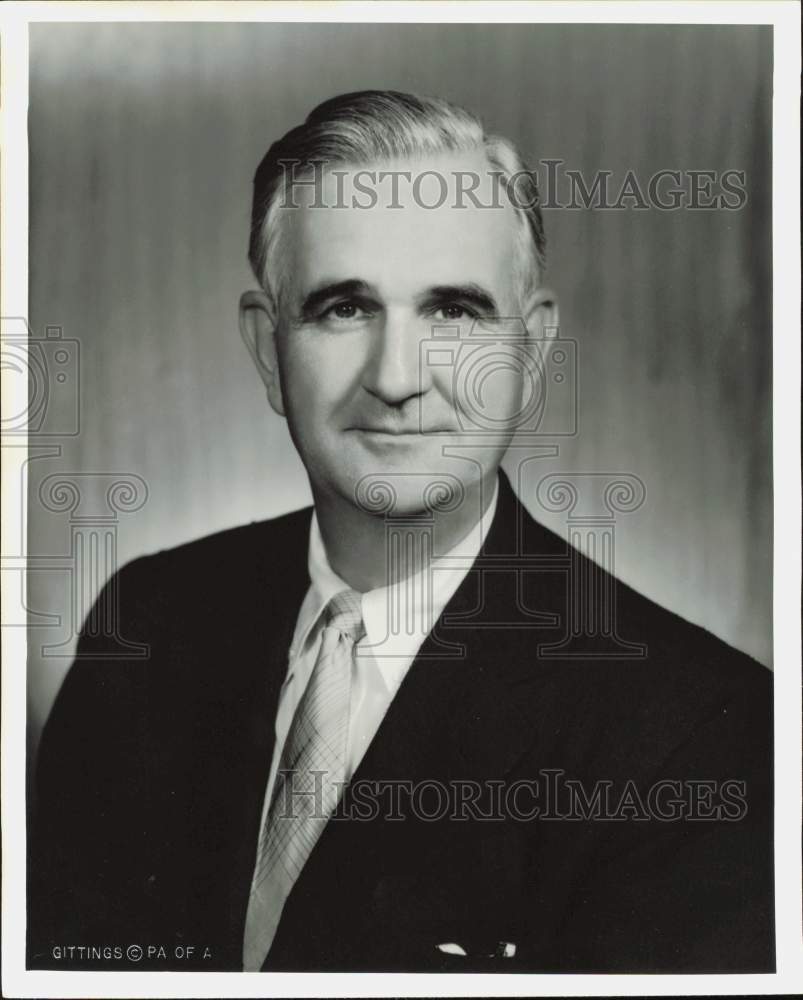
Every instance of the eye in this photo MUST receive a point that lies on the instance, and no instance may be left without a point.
(454, 312)
(344, 311)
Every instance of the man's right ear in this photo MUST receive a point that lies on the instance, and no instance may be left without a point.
(258, 323)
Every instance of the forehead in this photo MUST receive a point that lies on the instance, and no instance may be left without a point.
(403, 226)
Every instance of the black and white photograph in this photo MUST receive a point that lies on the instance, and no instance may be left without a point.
(401, 561)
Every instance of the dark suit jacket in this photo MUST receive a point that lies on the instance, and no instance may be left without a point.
(151, 776)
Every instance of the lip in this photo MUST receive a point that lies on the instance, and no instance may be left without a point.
(398, 432)
(384, 432)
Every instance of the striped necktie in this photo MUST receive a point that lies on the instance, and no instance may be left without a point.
(309, 779)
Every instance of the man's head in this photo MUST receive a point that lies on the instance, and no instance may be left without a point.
(378, 222)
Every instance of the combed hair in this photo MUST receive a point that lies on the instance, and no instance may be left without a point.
(375, 126)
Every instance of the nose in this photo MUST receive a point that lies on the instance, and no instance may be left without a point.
(394, 372)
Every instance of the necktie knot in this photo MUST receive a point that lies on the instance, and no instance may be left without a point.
(344, 612)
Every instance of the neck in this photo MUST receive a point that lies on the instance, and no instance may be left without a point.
(374, 550)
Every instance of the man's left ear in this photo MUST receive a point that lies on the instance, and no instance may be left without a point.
(541, 314)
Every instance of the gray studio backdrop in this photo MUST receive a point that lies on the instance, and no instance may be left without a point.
(143, 143)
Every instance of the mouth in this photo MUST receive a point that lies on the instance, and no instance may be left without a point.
(400, 432)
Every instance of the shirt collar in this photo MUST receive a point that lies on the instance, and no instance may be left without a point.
(446, 574)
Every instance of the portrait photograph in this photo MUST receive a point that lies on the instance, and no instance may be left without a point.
(401, 558)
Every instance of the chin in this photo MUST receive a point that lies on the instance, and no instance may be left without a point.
(418, 490)
(405, 482)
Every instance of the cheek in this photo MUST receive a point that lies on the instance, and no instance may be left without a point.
(316, 376)
(485, 386)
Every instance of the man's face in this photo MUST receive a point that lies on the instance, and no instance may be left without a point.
(365, 289)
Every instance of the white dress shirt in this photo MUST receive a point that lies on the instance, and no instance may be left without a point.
(386, 652)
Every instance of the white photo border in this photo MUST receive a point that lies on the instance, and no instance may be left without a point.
(784, 15)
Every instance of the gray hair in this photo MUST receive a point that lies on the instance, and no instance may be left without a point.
(381, 125)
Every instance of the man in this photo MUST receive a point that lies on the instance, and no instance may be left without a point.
(364, 738)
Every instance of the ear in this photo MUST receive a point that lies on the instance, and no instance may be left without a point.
(541, 315)
(258, 324)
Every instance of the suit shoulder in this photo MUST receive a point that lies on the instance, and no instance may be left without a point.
(684, 668)
(207, 579)
(275, 534)
(275, 541)
(157, 605)
(689, 647)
